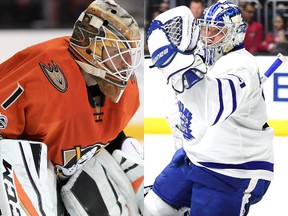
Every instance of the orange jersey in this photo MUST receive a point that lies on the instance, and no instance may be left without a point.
(43, 97)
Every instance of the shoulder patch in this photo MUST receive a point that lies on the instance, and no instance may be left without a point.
(55, 76)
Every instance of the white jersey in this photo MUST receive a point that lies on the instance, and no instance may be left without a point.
(223, 120)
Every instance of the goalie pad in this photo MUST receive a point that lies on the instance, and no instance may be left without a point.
(154, 205)
(24, 179)
(133, 167)
(100, 188)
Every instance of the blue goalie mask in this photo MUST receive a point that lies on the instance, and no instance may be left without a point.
(222, 30)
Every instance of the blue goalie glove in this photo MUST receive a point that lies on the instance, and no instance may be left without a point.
(172, 41)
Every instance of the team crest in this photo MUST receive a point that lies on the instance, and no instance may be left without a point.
(55, 76)
(74, 159)
(186, 118)
(3, 121)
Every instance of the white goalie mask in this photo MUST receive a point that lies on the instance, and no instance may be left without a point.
(106, 44)
(222, 30)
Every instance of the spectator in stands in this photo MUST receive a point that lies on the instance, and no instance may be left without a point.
(281, 8)
(282, 46)
(254, 34)
(274, 38)
(71, 11)
(19, 13)
(197, 7)
(163, 6)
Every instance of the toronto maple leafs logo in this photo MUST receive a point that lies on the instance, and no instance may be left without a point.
(186, 118)
(55, 75)
(3, 121)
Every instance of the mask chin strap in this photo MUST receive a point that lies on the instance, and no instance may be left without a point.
(100, 73)
(92, 70)
(89, 80)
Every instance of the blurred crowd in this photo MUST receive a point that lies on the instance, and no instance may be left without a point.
(40, 13)
(267, 32)
(264, 36)
(17, 14)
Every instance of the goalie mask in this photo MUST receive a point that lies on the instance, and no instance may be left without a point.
(106, 44)
(222, 30)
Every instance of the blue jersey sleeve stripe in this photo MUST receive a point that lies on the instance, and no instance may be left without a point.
(233, 95)
(253, 165)
(221, 104)
(233, 91)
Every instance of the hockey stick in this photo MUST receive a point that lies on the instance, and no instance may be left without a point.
(280, 59)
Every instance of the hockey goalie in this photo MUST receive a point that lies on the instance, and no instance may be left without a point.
(225, 161)
(64, 105)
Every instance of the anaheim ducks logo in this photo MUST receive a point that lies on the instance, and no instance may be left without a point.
(55, 76)
(3, 121)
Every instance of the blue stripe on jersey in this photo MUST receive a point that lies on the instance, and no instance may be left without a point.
(220, 101)
(233, 94)
(253, 165)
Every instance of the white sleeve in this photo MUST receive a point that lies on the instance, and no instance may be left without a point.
(219, 95)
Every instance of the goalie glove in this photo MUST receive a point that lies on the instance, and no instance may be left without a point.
(131, 146)
(172, 40)
(170, 34)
